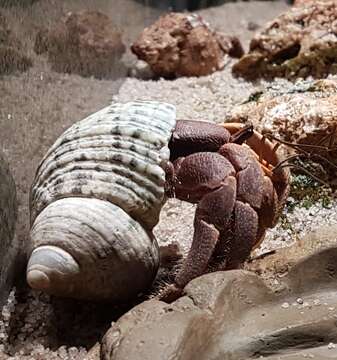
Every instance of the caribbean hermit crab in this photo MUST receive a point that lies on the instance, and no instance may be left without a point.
(99, 190)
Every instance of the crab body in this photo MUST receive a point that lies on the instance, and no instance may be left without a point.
(237, 195)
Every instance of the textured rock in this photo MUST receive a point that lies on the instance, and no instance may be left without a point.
(184, 45)
(8, 245)
(234, 315)
(85, 42)
(303, 113)
(298, 43)
(304, 2)
(11, 56)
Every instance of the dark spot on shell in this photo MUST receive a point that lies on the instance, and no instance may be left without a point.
(97, 168)
(116, 130)
(117, 145)
(133, 163)
(133, 147)
(83, 176)
(136, 134)
(64, 141)
(117, 157)
(58, 182)
(76, 190)
(120, 182)
(81, 157)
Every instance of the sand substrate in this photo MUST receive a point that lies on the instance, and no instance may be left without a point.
(39, 105)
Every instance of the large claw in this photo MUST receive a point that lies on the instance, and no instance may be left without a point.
(190, 137)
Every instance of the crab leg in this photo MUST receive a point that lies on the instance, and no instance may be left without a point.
(244, 236)
(212, 216)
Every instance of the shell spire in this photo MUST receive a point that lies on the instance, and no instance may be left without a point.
(96, 197)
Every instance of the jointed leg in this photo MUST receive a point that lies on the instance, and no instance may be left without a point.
(212, 216)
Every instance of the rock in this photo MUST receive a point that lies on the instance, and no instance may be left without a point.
(298, 43)
(235, 315)
(11, 56)
(141, 70)
(283, 259)
(304, 112)
(304, 2)
(184, 45)
(85, 43)
(8, 245)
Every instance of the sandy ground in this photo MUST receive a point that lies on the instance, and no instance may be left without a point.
(37, 106)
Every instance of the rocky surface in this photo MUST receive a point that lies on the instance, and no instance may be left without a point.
(9, 251)
(84, 42)
(12, 56)
(304, 2)
(184, 45)
(299, 43)
(234, 315)
(303, 113)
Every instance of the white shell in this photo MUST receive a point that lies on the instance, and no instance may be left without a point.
(97, 195)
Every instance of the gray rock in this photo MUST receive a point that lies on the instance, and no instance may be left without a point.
(235, 315)
(8, 245)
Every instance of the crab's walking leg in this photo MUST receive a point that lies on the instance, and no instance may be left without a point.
(244, 236)
(213, 215)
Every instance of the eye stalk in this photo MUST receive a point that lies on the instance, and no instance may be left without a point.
(242, 135)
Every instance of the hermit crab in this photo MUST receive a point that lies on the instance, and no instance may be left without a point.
(99, 190)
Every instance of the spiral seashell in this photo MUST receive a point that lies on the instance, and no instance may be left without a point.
(96, 197)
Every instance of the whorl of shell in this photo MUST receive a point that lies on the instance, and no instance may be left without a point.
(97, 195)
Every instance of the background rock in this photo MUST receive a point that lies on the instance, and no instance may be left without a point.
(298, 43)
(184, 45)
(302, 113)
(9, 3)
(234, 315)
(84, 42)
(8, 246)
(11, 56)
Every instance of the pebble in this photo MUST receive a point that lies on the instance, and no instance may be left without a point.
(285, 305)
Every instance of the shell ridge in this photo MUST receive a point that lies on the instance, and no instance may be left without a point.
(101, 169)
